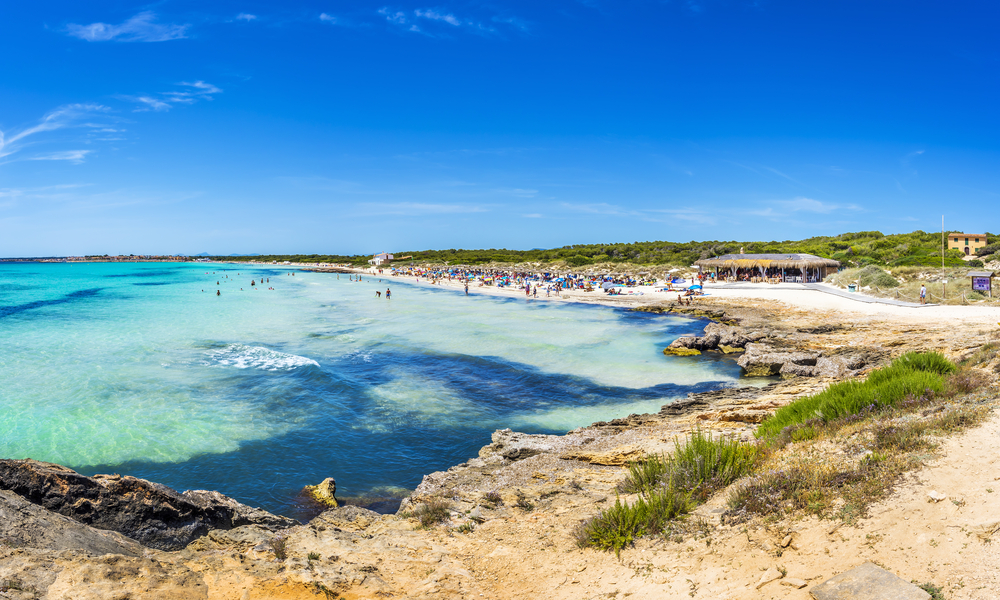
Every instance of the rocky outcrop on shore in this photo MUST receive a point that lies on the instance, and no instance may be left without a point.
(770, 349)
(150, 513)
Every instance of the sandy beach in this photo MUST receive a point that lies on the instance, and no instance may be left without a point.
(789, 295)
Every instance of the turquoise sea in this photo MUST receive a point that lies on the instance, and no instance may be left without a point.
(142, 369)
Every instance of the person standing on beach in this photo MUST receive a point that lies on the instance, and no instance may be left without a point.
(923, 294)
(466, 288)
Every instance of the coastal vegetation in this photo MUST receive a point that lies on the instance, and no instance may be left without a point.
(910, 375)
(857, 249)
(667, 488)
(883, 426)
(951, 285)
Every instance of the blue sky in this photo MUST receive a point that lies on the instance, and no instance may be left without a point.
(356, 127)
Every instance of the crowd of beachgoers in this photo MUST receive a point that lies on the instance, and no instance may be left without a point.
(548, 283)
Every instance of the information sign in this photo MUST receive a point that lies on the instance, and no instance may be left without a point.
(981, 284)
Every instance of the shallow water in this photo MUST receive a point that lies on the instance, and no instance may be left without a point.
(134, 369)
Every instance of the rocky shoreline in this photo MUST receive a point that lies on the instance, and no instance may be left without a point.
(63, 534)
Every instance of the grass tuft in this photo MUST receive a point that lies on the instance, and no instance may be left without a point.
(280, 547)
(433, 512)
(493, 498)
(668, 488)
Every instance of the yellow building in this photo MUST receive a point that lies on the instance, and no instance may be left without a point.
(969, 243)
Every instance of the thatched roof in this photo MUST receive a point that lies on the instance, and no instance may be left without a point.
(779, 261)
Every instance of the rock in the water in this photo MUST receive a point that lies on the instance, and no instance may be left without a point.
(671, 351)
(324, 493)
(718, 336)
(867, 582)
(150, 513)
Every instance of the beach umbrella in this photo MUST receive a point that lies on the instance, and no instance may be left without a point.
(695, 287)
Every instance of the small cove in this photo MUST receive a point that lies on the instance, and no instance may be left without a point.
(255, 393)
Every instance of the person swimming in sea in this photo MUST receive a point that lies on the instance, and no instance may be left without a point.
(218, 293)
(388, 294)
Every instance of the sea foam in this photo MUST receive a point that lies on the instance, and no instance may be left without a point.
(242, 356)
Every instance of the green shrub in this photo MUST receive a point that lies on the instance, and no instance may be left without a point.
(912, 374)
(701, 464)
(876, 277)
(705, 464)
(668, 487)
(935, 362)
(620, 525)
(644, 474)
(578, 261)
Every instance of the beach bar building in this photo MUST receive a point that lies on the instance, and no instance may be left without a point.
(770, 268)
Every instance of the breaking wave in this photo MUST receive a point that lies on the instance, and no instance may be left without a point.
(242, 356)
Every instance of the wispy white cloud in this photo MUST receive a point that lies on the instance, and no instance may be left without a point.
(434, 15)
(73, 156)
(398, 17)
(327, 18)
(533, 216)
(140, 28)
(409, 21)
(189, 93)
(70, 115)
(246, 17)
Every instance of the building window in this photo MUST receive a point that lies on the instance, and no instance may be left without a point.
(966, 241)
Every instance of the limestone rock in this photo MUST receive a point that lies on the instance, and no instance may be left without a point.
(794, 582)
(985, 531)
(790, 369)
(717, 336)
(935, 496)
(325, 492)
(761, 360)
(768, 576)
(839, 366)
(618, 457)
(744, 416)
(150, 513)
(867, 582)
(512, 445)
